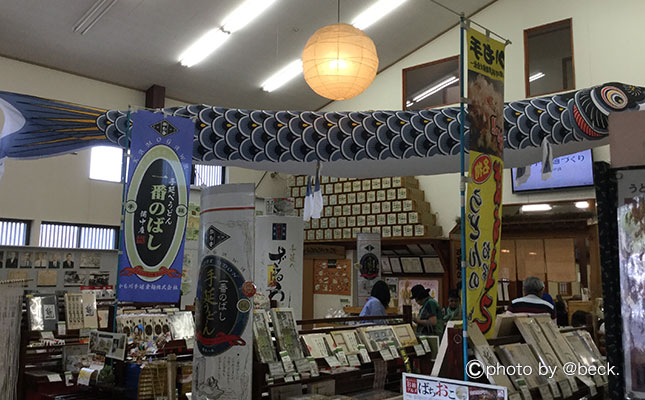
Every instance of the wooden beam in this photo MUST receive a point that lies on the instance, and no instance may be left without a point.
(156, 97)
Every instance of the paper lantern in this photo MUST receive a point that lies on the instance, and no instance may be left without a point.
(339, 61)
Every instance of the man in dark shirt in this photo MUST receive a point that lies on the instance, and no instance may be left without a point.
(532, 302)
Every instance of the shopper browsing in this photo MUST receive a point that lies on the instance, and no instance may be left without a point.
(430, 319)
(378, 302)
(532, 302)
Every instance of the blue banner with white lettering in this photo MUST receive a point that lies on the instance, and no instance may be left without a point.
(156, 208)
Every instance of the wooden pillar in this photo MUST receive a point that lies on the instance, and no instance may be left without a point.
(156, 97)
(595, 284)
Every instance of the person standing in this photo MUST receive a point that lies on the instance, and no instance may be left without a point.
(453, 311)
(430, 319)
(378, 302)
(532, 302)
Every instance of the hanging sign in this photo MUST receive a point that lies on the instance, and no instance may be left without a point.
(369, 259)
(223, 355)
(278, 260)
(484, 194)
(156, 208)
(422, 387)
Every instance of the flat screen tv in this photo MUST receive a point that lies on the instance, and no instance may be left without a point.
(570, 171)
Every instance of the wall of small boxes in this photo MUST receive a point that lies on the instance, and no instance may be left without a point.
(393, 207)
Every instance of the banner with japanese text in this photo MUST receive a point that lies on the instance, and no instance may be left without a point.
(223, 354)
(279, 243)
(422, 387)
(486, 166)
(156, 208)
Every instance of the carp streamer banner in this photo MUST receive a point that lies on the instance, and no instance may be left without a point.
(350, 144)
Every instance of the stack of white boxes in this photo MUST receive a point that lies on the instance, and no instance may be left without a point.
(393, 207)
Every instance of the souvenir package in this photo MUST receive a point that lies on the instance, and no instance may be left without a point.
(262, 337)
(562, 349)
(405, 334)
(584, 353)
(90, 318)
(74, 314)
(347, 340)
(284, 326)
(376, 338)
(318, 344)
(43, 312)
(486, 355)
(520, 354)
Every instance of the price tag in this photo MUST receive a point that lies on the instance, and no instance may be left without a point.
(47, 335)
(62, 329)
(426, 346)
(545, 393)
(275, 369)
(332, 361)
(566, 389)
(190, 343)
(314, 366)
(54, 378)
(303, 365)
(554, 388)
(418, 349)
(296, 377)
(353, 360)
(526, 393)
(286, 362)
(394, 351)
(288, 378)
(342, 358)
(69, 378)
(598, 380)
(386, 354)
(364, 354)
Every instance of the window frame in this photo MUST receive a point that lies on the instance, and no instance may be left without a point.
(193, 174)
(77, 245)
(27, 230)
(412, 68)
(527, 85)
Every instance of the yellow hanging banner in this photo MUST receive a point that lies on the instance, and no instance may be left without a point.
(486, 167)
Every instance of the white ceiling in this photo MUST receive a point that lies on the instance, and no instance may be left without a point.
(137, 43)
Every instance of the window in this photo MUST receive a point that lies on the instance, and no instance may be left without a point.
(14, 232)
(207, 175)
(56, 234)
(548, 56)
(105, 163)
(431, 85)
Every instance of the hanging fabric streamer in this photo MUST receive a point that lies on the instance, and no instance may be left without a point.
(317, 201)
(547, 159)
(522, 175)
(308, 207)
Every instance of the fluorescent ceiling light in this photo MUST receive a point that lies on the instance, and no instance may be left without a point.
(283, 76)
(244, 14)
(93, 15)
(203, 47)
(436, 88)
(409, 103)
(536, 207)
(582, 204)
(375, 12)
(536, 76)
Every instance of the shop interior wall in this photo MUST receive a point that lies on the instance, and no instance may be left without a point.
(599, 57)
(59, 188)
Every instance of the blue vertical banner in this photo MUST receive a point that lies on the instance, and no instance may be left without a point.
(156, 208)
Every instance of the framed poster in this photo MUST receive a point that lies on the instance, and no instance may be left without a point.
(395, 263)
(333, 277)
(432, 265)
(411, 265)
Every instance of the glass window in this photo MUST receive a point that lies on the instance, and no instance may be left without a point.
(548, 52)
(13, 232)
(105, 163)
(64, 235)
(432, 84)
(207, 175)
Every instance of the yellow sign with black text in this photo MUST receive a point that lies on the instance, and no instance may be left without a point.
(486, 166)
